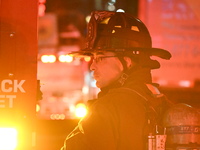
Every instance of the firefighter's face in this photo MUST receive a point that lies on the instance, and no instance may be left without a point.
(107, 68)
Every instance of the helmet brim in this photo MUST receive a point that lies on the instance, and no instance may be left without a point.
(161, 53)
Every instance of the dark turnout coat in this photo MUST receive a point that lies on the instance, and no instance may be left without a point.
(118, 119)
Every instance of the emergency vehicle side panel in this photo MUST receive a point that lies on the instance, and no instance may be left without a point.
(18, 65)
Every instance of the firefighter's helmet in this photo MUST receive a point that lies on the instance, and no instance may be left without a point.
(182, 123)
(120, 33)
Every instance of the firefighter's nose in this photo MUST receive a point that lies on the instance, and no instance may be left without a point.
(93, 66)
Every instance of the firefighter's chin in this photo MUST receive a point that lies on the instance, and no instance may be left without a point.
(101, 84)
(98, 84)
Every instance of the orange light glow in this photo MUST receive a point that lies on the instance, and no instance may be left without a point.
(8, 138)
(87, 59)
(37, 108)
(57, 116)
(41, 9)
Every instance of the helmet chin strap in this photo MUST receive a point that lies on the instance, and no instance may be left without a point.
(124, 75)
(126, 70)
(124, 64)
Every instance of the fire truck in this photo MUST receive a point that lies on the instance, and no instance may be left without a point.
(18, 77)
(31, 68)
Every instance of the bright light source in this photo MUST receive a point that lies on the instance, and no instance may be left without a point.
(8, 138)
(52, 58)
(87, 18)
(61, 58)
(48, 58)
(37, 108)
(65, 58)
(80, 110)
(44, 58)
(120, 10)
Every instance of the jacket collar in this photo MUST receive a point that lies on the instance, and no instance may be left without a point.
(132, 76)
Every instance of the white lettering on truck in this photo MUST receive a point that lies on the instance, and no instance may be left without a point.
(7, 86)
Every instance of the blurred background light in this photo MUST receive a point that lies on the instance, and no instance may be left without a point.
(41, 9)
(57, 116)
(85, 89)
(65, 58)
(185, 83)
(48, 58)
(37, 108)
(87, 59)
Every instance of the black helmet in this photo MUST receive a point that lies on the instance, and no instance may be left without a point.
(123, 34)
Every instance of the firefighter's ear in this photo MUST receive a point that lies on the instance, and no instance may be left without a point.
(129, 62)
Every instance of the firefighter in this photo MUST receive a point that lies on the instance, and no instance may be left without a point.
(127, 107)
